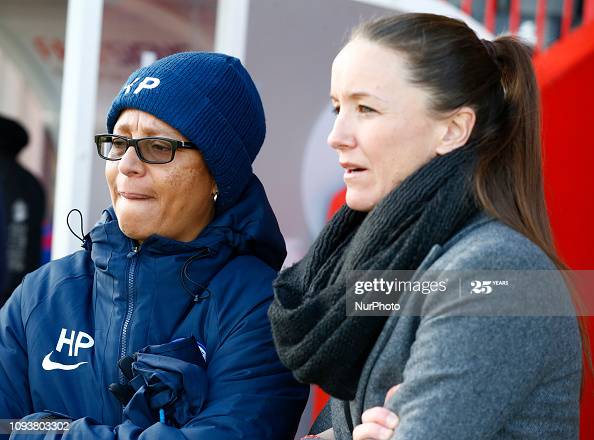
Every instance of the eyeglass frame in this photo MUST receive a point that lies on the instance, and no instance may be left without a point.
(131, 142)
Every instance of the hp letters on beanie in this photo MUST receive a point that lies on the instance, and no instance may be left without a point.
(147, 83)
(211, 99)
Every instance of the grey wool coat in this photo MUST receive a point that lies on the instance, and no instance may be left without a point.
(474, 377)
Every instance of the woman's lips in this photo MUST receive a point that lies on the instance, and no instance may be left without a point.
(356, 173)
(134, 196)
(352, 171)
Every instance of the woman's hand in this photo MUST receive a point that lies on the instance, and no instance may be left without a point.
(379, 423)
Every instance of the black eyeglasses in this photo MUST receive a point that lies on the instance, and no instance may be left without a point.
(148, 149)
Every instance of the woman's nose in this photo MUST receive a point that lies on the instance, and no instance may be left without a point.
(342, 135)
(130, 163)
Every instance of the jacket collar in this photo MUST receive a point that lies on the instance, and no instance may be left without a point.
(438, 250)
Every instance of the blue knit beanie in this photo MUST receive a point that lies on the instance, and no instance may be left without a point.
(209, 98)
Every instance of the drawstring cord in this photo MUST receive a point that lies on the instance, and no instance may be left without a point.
(82, 234)
(197, 291)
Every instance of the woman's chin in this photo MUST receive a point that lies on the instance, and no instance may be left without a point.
(134, 234)
(132, 228)
(359, 200)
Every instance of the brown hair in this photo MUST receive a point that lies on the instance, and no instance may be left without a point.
(497, 80)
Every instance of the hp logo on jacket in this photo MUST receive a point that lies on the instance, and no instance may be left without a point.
(75, 341)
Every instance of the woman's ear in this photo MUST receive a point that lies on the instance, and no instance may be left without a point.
(458, 128)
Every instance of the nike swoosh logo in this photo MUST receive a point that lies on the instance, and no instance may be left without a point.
(48, 364)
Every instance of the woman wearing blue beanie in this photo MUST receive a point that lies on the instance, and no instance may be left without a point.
(157, 329)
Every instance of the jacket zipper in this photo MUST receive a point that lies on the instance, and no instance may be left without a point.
(133, 255)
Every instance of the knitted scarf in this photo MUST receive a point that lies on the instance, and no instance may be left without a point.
(313, 335)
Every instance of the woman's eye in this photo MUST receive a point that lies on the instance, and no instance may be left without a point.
(336, 110)
(119, 145)
(161, 147)
(365, 109)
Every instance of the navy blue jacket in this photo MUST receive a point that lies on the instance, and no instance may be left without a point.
(66, 326)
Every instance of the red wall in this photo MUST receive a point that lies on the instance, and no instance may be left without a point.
(566, 77)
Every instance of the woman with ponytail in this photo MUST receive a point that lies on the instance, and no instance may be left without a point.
(438, 132)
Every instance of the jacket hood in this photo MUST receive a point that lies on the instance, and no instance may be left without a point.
(248, 228)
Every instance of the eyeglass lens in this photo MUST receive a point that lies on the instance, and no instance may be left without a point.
(151, 150)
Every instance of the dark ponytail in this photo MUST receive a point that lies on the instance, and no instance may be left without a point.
(508, 178)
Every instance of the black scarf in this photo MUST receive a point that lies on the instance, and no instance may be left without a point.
(313, 335)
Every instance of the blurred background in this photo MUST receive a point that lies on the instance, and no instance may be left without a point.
(62, 62)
